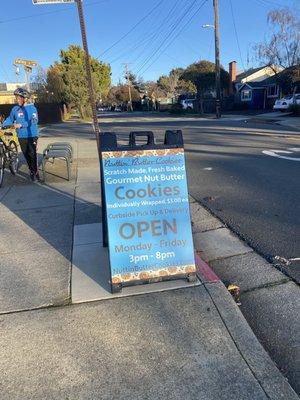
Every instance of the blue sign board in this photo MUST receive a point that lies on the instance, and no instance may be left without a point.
(148, 217)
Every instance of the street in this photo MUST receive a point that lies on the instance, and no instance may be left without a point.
(59, 263)
(255, 194)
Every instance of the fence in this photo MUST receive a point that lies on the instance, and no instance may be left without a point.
(48, 112)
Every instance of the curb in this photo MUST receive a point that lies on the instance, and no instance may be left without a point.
(204, 272)
(236, 262)
(273, 383)
(264, 370)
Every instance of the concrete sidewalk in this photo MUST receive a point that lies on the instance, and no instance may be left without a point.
(277, 117)
(190, 343)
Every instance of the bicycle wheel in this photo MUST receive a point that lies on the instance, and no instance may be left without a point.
(13, 157)
(2, 165)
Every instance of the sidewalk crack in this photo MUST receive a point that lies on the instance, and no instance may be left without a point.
(267, 285)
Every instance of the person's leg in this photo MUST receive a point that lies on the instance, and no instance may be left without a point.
(24, 147)
(32, 155)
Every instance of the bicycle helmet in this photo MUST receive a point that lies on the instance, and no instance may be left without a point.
(22, 92)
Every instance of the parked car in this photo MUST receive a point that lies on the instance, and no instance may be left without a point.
(187, 104)
(284, 103)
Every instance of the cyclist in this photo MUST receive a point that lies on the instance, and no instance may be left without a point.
(24, 118)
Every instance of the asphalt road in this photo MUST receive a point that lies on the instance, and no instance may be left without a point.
(257, 195)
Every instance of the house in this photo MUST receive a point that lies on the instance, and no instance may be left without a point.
(251, 75)
(259, 88)
(252, 95)
(7, 92)
(285, 82)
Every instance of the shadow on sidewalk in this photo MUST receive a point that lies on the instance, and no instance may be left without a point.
(38, 219)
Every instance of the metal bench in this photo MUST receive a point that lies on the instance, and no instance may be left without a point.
(60, 150)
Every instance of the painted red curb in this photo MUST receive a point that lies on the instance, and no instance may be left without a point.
(204, 271)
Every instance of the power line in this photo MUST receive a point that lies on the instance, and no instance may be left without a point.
(261, 3)
(267, 3)
(48, 12)
(173, 58)
(236, 34)
(175, 37)
(173, 28)
(272, 3)
(192, 48)
(132, 29)
(4, 71)
(157, 34)
(143, 41)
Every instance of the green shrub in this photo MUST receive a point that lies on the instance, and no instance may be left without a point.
(295, 109)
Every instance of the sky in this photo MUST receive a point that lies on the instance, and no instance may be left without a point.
(152, 36)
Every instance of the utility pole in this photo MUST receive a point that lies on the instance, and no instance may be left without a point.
(28, 71)
(88, 71)
(17, 72)
(217, 59)
(28, 65)
(129, 86)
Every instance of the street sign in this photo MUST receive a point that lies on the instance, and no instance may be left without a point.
(148, 216)
(36, 2)
(28, 63)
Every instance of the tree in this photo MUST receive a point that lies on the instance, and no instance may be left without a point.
(173, 85)
(186, 88)
(136, 82)
(39, 85)
(152, 93)
(289, 79)
(56, 86)
(282, 48)
(66, 81)
(119, 95)
(202, 75)
(73, 73)
(169, 83)
(153, 90)
(49, 86)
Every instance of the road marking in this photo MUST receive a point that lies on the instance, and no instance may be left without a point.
(207, 169)
(275, 153)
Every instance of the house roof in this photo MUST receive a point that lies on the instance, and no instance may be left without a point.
(247, 73)
(253, 85)
(281, 75)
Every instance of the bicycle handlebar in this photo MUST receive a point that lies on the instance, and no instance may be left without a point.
(6, 127)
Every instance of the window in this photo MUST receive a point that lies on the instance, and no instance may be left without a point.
(272, 91)
(246, 95)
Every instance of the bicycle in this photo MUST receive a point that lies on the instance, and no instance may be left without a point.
(8, 151)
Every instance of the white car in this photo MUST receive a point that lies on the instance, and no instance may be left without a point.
(187, 104)
(285, 102)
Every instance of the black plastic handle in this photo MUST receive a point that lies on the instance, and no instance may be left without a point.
(148, 134)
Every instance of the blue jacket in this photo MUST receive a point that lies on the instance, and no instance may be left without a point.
(28, 118)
